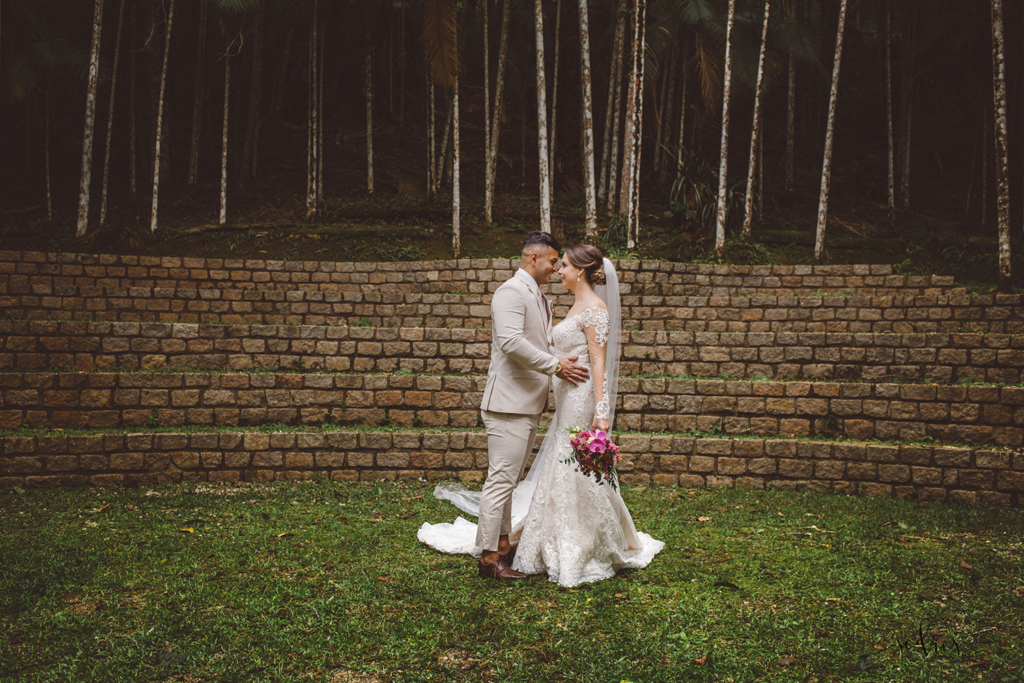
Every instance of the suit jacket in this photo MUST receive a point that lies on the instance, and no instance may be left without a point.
(522, 359)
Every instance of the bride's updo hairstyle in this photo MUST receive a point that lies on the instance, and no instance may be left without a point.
(590, 260)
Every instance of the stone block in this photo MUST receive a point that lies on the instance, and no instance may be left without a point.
(862, 471)
(796, 468)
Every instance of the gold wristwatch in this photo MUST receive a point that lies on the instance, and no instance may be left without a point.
(558, 368)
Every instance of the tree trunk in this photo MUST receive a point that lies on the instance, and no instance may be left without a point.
(442, 159)
(905, 172)
(487, 115)
(614, 76)
(431, 151)
(193, 159)
(110, 116)
(369, 119)
(322, 37)
(224, 140)
(626, 170)
(46, 134)
(680, 159)
(312, 142)
(456, 231)
(826, 167)
(90, 120)
(160, 120)
(761, 175)
(496, 115)
(589, 183)
(755, 131)
(723, 164)
(888, 113)
(661, 105)
(542, 123)
(633, 211)
(668, 118)
(790, 123)
(1002, 150)
(629, 192)
(554, 98)
(907, 101)
(620, 92)
(248, 167)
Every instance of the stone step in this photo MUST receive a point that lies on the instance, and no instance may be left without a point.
(111, 400)
(21, 270)
(758, 313)
(939, 358)
(963, 475)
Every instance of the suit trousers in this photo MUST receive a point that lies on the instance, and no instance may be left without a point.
(510, 438)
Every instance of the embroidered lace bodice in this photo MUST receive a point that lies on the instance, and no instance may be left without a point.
(571, 340)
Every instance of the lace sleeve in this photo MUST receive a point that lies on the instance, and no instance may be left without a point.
(598, 319)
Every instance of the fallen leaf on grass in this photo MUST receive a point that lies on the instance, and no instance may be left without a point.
(703, 519)
(701, 661)
(187, 530)
(285, 533)
(965, 565)
(787, 661)
(387, 578)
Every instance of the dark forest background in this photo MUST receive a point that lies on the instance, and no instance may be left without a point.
(942, 74)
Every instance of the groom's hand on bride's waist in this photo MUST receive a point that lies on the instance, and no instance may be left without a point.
(571, 372)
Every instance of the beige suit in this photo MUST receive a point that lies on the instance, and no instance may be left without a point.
(518, 384)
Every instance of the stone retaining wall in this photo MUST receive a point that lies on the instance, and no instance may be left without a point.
(932, 358)
(1002, 314)
(961, 475)
(908, 412)
(19, 271)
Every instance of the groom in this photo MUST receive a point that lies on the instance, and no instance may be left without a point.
(518, 383)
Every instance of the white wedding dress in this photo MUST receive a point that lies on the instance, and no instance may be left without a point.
(576, 530)
(568, 526)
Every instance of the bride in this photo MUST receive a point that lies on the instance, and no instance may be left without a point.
(568, 526)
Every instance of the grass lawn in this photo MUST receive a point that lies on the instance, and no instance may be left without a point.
(327, 582)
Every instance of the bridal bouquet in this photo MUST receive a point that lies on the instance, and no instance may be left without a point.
(593, 453)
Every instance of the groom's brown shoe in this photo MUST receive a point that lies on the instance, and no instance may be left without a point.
(498, 570)
(509, 556)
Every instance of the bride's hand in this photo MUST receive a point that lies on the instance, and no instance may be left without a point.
(603, 425)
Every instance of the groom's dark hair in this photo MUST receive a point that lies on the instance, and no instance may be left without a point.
(538, 237)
